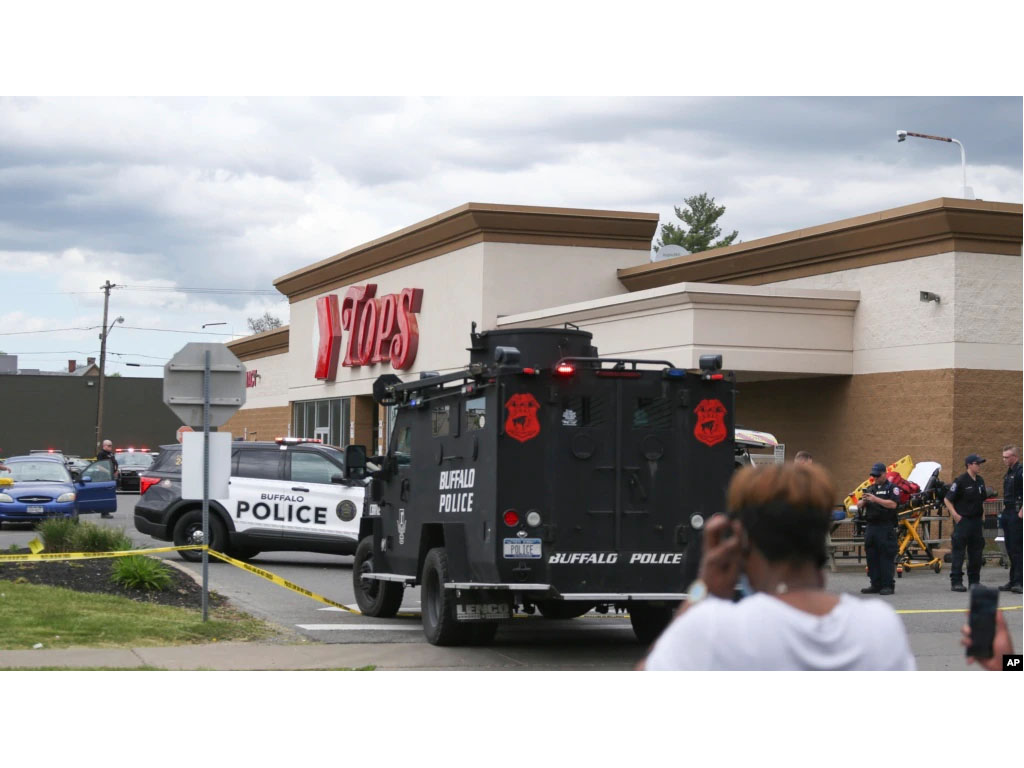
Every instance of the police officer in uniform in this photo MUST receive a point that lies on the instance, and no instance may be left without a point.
(965, 501)
(879, 503)
(106, 453)
(1010, 519)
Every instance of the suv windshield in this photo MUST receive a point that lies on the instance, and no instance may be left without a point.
(133, 459)
(28, 471)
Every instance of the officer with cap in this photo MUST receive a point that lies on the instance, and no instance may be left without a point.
(879, 503)
(965, 501)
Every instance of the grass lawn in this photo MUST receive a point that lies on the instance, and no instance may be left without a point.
(60, 618)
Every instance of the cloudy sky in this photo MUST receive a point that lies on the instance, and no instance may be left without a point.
(194, 206)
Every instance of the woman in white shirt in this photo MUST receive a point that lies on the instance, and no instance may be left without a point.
(774, 534)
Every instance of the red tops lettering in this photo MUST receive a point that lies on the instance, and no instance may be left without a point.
(380, 329)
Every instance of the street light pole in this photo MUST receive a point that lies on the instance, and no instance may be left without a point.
(103, 359)
(902, 136)
(230, 328)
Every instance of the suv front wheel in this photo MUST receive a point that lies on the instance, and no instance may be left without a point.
(189, 530)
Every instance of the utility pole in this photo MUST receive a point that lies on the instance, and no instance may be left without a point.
(107, 285)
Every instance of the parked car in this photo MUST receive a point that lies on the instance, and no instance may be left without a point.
(290, 494)
(39, 486)
(130, 465)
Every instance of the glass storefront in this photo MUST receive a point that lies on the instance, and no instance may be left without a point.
(326, 420)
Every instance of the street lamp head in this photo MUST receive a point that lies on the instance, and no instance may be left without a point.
(901, 136)
(119, 319)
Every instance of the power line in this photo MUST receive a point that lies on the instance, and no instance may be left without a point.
(177, 289)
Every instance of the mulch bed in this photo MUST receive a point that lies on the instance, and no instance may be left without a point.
(94, 576)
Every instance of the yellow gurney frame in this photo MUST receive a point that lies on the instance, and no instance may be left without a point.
(915, 551)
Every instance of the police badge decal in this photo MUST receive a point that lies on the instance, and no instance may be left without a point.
(522, 424)
(710, 428)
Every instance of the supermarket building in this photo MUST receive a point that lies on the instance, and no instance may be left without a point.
(861, 340)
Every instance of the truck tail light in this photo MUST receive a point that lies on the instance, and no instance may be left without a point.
(565, 369)
(511, 518)
(146, 482)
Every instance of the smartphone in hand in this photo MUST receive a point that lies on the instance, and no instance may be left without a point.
(982, 620)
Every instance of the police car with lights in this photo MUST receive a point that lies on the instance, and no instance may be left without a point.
(542, 478)
(290, 494)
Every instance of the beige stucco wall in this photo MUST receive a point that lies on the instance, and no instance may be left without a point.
(271, 388)
(975, 325)
(754, 328)
(520, 278)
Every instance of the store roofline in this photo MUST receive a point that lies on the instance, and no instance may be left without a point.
(911, 231)
(467, 225)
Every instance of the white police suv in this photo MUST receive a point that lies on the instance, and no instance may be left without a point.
(290, 494)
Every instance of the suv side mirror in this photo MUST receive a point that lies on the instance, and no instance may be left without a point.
(355, 462)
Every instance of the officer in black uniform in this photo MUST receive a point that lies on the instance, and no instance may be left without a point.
(106, 453)
(879, 503)
(1010, 518)
(965, 501)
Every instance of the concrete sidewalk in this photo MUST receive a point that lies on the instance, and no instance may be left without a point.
(313, 656)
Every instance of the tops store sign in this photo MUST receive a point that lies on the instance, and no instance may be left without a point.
(380, 329)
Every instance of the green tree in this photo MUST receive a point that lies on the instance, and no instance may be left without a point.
(699, 214)
(265, 323)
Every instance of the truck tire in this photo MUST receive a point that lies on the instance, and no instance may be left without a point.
(380, 599)
(649, 620)
(437, 604)
(562, 609)
(189, 530)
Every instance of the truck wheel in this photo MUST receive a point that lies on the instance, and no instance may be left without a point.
(649, 620)
(189, 530)
(380, 599)
(562, 609)
(437, 604)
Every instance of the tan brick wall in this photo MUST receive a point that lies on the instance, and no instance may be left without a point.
(850, 422)
(261, 423)
(363, 413)
(988, 416)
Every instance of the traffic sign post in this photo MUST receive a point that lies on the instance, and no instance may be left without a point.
(204, 384)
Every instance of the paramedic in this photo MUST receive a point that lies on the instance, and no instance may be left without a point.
(965, 501)
(879, 503)
(774, 535)
(1010, 519)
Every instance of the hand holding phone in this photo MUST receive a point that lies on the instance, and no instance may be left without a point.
(982, 621)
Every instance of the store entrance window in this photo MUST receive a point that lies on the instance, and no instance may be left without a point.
(325, 420)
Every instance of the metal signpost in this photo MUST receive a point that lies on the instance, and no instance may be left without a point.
(204, 384)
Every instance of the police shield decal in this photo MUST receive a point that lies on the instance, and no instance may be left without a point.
(710, 428)
(522, 423)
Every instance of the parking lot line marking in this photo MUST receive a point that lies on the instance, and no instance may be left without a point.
(953, 610)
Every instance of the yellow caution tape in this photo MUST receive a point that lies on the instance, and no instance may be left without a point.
(272, 577)
(92, 555)
(281, 582)
(275, 579)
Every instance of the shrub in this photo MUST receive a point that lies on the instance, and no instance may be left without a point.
(97, 538)
(58, 533)
(141, 572)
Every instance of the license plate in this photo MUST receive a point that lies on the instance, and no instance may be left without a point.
(522, 549)
(35, 510)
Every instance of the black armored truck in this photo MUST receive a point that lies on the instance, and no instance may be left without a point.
(542, 477)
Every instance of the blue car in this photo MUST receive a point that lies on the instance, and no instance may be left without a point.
(35, 487)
